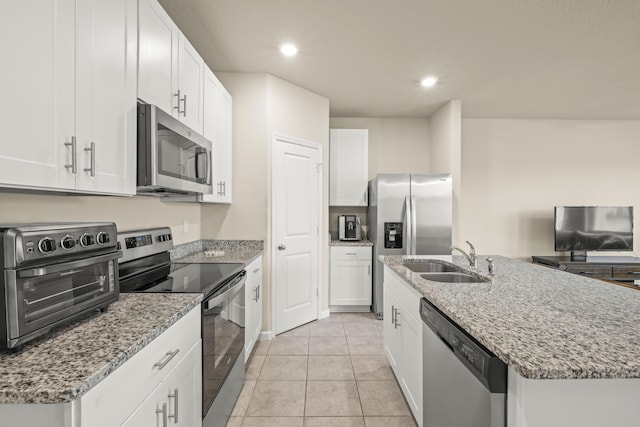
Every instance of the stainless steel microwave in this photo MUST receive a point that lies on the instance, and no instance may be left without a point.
(172, 159)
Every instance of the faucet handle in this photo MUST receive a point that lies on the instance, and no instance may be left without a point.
(490, 266)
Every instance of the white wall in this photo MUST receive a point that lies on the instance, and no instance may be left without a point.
(128, 213)
(445, 139)
(263, 105)
(516, 171)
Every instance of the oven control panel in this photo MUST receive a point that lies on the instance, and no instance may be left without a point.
(140, 243)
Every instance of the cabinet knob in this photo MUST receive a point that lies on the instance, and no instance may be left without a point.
(281, 247)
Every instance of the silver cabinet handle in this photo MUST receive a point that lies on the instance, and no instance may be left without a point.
(92, 150)
(350, 253)
(224, 188)
(184, 102)
(396, 324)
(258, 291)
(167, 358)
(256, 294)
(281, 247)
(255, 270)
(162, 411)
(73, 166)
(177, 107)
(393, 315)
(174, 396)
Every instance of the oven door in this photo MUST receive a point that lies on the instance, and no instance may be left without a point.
(39, 298)
(223, 322)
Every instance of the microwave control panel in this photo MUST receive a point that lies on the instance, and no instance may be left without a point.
(393, 235)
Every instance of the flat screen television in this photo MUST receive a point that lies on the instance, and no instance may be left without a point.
(593, 228)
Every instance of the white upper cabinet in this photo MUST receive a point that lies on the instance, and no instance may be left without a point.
(190, 82)
(170, 70)
(217, 108)
(157, 57)
(106, 95)
(72, 93)
(348, 168)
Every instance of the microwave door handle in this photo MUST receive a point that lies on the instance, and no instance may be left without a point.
(201, 153)
(67, 266)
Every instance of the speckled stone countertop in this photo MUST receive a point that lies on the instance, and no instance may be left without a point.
(218, 251)
(71, 360)
(364, 242)
(544, 323)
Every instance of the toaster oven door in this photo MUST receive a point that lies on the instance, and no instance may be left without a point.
(39, 298)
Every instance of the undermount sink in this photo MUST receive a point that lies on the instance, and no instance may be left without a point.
(454, 277)
(430, 267)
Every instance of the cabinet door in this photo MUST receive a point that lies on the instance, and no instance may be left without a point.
(217, 128)
(190, 84)
(253, 296)
(38, 68)
(350, 282)
(348, 167)
(223, 164)
(177, 400)
(411, 376)
(392, 343)
(106, 96)
(157, 57)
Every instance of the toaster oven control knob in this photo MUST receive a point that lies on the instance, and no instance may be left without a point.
(68, 242)
(47, 245)
(86, 240)
(102, 238)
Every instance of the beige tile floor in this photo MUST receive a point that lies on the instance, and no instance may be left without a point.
(328, 373)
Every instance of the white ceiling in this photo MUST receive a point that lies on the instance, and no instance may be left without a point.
(569, 59)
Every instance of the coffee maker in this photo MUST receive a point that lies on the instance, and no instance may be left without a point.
(349, 227)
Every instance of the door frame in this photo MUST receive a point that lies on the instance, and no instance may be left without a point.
(273, 246)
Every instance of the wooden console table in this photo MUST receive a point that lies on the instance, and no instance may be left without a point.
(610, 268)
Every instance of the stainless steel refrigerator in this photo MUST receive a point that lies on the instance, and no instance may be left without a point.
(408, 214)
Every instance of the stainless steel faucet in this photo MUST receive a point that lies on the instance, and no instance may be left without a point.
(471, 257)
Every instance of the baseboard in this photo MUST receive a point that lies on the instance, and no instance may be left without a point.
(349, 308)
(324, 314)
(265, 336)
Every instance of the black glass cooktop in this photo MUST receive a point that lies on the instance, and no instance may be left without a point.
(184, 278)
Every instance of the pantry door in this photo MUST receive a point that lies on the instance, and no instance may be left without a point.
(295, 243)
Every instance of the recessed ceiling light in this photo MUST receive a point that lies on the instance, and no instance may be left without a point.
(288, 49)
(429, 81)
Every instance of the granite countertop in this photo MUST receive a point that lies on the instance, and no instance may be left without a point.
(218, 252)
(71, 360)
(544, 323)
(238, 256)
(363, 242)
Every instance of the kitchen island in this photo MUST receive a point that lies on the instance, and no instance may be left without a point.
(572, 344)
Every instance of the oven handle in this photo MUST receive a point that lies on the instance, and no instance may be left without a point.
(66, 266)
(237, 283)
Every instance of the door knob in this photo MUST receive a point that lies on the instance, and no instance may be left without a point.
(281, 247)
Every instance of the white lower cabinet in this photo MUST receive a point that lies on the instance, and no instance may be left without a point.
(253, 304)
(167, 371)
(350, 277)
(177, 400)
(403, 338)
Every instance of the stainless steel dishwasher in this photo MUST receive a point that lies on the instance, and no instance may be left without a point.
(464, 384)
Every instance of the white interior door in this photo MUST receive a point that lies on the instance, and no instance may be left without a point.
(296, 199)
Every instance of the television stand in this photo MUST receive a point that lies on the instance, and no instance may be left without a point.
(617, 268)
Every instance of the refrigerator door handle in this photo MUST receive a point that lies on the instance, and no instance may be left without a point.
(407, 225)
(414, 224)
